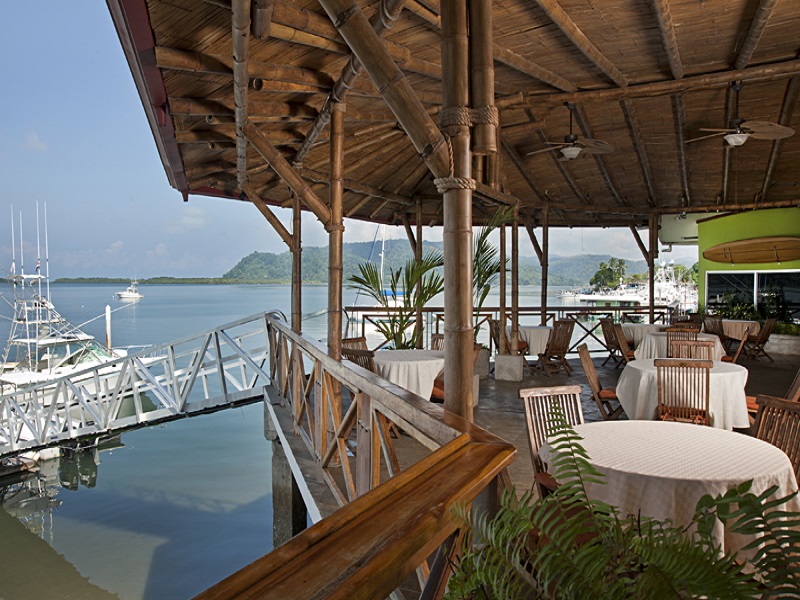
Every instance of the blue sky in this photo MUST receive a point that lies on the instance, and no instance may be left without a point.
(74, 136)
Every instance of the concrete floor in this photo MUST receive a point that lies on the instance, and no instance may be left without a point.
(500, 410)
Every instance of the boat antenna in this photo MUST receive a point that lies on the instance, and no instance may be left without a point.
(46, 254)
(21, 255)
(13, 269)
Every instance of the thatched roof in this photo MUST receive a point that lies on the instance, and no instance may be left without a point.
(645, 76)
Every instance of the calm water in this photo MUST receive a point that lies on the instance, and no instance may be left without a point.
(174, 508)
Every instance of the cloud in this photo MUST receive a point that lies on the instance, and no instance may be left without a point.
(34, 142)
(116, 247)
(160, 251)
(192, 218)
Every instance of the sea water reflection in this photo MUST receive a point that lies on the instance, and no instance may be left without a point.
(165, 511)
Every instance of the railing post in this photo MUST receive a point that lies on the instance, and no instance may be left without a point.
(366, 431)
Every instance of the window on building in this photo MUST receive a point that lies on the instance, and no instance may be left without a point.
(779, 294)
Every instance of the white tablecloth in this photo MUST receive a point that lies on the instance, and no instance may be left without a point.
(637, 390)
(734, 328)
(664, 468)
(638, 331)
(654, 345)
(535, 335)
(413, 370)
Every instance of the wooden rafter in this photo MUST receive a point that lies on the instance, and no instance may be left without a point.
(354, 186)
(763, 13)
(787, 110)
(517, 161)
(568, 27)
(639, 148)
(668, 38)
(583, 123)
(730, 102)
(679, 115)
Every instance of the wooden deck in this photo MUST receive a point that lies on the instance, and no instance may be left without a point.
(500, 410)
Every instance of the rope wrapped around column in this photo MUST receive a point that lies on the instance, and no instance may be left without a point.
(465, 116)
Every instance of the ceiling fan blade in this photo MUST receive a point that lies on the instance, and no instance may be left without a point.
(764, 130)
(729, 130)
(705, 137)
(595, 146)
(545, 150)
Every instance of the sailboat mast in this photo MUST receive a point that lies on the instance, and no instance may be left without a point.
(46, 254)
(13, 269)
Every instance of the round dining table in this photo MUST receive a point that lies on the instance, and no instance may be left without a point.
(661, 469)
(638, 331)
(654, 345)
(414, 370)
(535, 335)
(637, 390)
(734, 328)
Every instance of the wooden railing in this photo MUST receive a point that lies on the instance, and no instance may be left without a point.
(392, 519)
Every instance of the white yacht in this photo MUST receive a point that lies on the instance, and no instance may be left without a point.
(131, 292)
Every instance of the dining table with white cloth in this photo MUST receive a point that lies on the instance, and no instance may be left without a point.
(654, 345)
(414, 370)
(637, 390)
(663, 468)
(536, 337)
(638, 331)
(734, 328)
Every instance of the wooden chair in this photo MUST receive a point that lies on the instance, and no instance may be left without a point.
(554, 357)
(733, 359)
(713, 324)
(683, 387)
(679, 333)
(437, 341)
(778, 423)
(605, 398)
(437, 394)
(685, 325)
(755, 344)
(793, 395)
(700, 349)
(622, 342)
(496, 331)
(538, 417)
(607, 326)
(363, 358)
(359, 343)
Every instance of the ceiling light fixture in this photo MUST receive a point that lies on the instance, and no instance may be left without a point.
(736, 139)
(570, 152)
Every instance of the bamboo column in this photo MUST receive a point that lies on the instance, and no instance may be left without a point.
(653, 226)
(297, 271)
(418, 256)
(515, 283)
(501, 317)
(545, 259)
(457, 231)
(336, 231)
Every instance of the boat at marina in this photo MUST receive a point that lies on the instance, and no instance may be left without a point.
(131, 293)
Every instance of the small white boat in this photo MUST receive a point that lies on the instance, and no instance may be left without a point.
(131, 292)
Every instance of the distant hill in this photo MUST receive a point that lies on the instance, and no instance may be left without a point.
(266, 267)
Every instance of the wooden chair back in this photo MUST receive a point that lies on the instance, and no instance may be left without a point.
(622, 342)
(739, 349)
(538, 416)
(757, 350)
(607, 410)
(678, 333)
(495, 331)
(778, 423)
(610, 339)
(554, 357)
(363, 358)
(691, 325)
(437, 341)
(696, 318)
(683, 387)
(713, 324)
(794, 390)
(700, 349)
(360, 343)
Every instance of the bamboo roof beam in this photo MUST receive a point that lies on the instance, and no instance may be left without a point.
(639, 148)
(679, 115)
(769, 72)
(640, 243)
(517, 161)
(536, 247)
(757, 27)
(358, 206)
(730, 102)
(195, 62)
(268, 214)
(391, 83)
(285, 171)
(257, 109)
(227, 133)
(668, 38)
(241, 81)
(583, 123)
(262, 18)
(355, 186)
(785, 118)
(568, 27)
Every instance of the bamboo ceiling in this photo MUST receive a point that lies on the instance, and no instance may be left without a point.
(642, 75)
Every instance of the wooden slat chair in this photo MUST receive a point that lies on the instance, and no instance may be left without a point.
(713, 324)
(496, 331)
(793, 395)
(363, 358)
(683, 387)
(538, 417)
(607, 326)
(734, 359)
(437, 394)
(755, 344)
(554, 357)
(359, 343)
(700, 349)
(622, 342)
(679, 333)
(437, 341)
(778, 423)
(605, 398)
(684, 325)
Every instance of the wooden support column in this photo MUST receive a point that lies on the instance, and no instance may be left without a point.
(241, 79)
(515, 283)
(481, 71)
(297, 270)
(545, 260)
(418, 254)
(336, 232)
(503, 278)
(457, 231)
(653, 226)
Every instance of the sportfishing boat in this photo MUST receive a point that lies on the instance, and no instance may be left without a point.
(131, 293)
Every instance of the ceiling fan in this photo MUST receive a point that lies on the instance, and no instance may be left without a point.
(573, 145)
(740, 130)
